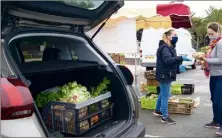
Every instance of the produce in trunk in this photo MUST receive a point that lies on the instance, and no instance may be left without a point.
(101, 88)
(71, 93)
(94, 120)
(84, 125)
(105, 103)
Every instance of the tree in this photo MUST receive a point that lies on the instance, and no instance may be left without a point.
(214, 15)
(199, 29)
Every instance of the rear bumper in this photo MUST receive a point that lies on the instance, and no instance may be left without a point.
(148, 64)
(137, 130)
(186, 63)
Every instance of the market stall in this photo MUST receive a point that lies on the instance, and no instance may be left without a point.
(119, 33)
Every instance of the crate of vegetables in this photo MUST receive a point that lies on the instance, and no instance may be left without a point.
(176, 89)
(153, 89)
(181, 105)
(148, 101)
(74, 110)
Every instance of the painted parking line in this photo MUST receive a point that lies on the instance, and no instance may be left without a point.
(147, 135)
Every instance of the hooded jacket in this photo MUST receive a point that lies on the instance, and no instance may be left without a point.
(167, 63)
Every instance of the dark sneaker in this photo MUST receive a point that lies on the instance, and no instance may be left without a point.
(219, 132)
(212, 125)
(157, 113)
(168, 121)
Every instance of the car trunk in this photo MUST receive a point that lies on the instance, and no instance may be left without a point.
(49, 74)
(87, 77)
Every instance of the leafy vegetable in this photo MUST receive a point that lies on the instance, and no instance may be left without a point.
(74, 93)
(100, 89)
(45, 97)
(71, 92)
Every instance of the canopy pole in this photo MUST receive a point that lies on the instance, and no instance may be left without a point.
(136, 75)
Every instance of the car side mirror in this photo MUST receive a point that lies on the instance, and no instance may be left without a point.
(127, 74)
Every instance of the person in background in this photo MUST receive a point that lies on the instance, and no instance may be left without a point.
(166, 71)
(214, 61)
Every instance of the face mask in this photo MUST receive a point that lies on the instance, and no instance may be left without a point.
(174, 40)
(213, 37)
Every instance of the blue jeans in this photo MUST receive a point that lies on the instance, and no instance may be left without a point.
(216, 98)
(162, 101)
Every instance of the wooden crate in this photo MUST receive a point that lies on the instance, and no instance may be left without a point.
(150, 75)
(152, 82)
(181, 108)
(131, 61)
(122, 58)
(115, 58)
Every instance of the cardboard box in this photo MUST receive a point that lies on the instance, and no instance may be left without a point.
(115, 58)
(152, 82)
(150, 75)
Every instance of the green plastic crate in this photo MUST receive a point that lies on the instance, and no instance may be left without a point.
(152, 89)
(148, 103)
(176, 89)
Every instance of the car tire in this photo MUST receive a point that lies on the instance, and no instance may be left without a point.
(149, 68)
(194, 66)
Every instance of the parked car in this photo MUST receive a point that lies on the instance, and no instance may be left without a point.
(60, 27)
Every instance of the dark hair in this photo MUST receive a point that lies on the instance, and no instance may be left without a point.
(215, 27)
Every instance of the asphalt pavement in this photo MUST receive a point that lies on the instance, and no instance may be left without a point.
(186, 125)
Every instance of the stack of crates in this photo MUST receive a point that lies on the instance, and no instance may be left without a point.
(178, 89)
(152, 83)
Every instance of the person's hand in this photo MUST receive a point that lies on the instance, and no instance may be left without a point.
(203, 58)
(186, 59)
(202, 63)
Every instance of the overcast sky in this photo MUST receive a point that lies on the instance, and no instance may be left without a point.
(198, 7)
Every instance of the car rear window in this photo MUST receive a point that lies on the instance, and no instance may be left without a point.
(51, 48)
(43, 51)
(86, 4)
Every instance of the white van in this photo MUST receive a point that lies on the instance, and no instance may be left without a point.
(150, 43)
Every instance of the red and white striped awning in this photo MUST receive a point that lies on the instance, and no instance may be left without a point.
(179, 13)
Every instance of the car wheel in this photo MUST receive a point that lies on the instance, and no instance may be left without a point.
(149, 68)
(194, 66)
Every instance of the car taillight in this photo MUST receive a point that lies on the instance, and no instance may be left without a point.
(16, 99)
(141, 53)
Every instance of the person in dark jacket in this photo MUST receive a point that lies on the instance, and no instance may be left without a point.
(166, 71)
